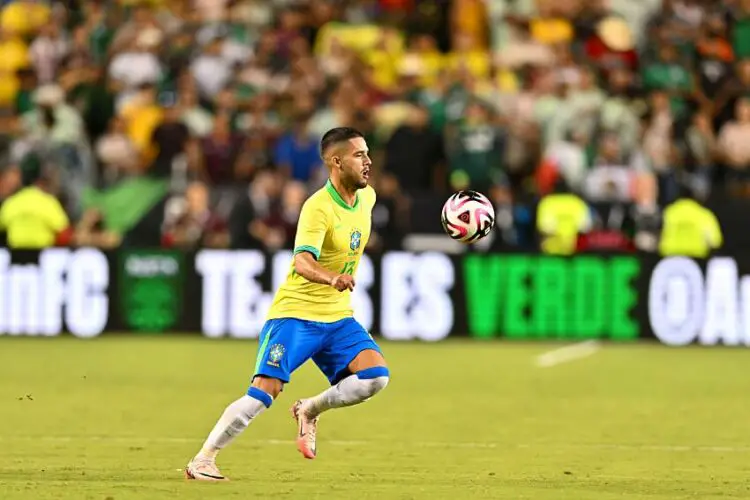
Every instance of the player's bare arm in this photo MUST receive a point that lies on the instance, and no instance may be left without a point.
(307, 267)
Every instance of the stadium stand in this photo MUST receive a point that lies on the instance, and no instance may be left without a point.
(194, 123)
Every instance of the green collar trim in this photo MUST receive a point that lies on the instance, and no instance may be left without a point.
(339, 200)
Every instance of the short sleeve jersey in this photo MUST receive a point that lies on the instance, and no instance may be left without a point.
(336, 234)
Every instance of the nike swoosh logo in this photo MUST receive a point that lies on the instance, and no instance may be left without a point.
(209, 475)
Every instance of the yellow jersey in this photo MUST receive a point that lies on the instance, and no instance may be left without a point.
(32, 219)
(689, 229)
(560, 218)
(336, 234)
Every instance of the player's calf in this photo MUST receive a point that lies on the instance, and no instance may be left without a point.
(353, 390)
(364, 384)
(235, 419)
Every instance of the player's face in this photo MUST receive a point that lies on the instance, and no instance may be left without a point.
(355, 167)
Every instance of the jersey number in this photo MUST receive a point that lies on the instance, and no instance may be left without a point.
(348, 268)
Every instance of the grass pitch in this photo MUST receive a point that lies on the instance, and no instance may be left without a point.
(118, 418)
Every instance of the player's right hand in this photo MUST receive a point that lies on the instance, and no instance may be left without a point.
(343, 282)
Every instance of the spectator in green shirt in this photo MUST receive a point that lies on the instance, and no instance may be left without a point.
(475, 150)
(668, 73)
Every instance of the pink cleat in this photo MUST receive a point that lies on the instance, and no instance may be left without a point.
(307, 429)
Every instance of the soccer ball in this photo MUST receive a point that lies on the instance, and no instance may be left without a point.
(468, 216)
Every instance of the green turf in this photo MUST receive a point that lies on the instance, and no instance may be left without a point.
(117, 418)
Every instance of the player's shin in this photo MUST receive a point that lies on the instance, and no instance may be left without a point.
(234, 420)
(353, 390)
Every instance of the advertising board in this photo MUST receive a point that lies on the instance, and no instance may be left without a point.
(399, 295)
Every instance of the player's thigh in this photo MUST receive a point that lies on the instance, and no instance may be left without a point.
(347, 349)
(285, 344)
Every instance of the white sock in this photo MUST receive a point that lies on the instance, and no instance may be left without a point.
(350, 391)
(233, 421)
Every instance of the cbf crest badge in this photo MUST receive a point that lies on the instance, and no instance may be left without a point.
(355, 239)
(275, 354)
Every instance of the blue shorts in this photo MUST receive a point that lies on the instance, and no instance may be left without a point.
(286, 343)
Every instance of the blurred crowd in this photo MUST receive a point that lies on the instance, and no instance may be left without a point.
(628, 105)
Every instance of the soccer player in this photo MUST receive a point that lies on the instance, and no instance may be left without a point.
(311, 315)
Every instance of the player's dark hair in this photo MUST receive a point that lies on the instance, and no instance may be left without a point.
(337, 135)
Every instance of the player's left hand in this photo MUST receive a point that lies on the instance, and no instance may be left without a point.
(343, 282)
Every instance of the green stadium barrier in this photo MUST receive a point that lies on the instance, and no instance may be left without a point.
(399, 295)
(126, 203)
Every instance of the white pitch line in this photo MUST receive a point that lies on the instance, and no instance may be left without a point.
(568, 353)
(676, 448)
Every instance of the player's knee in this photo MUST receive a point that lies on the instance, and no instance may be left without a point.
(377, 384)
(373, 380)
(268, 385)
